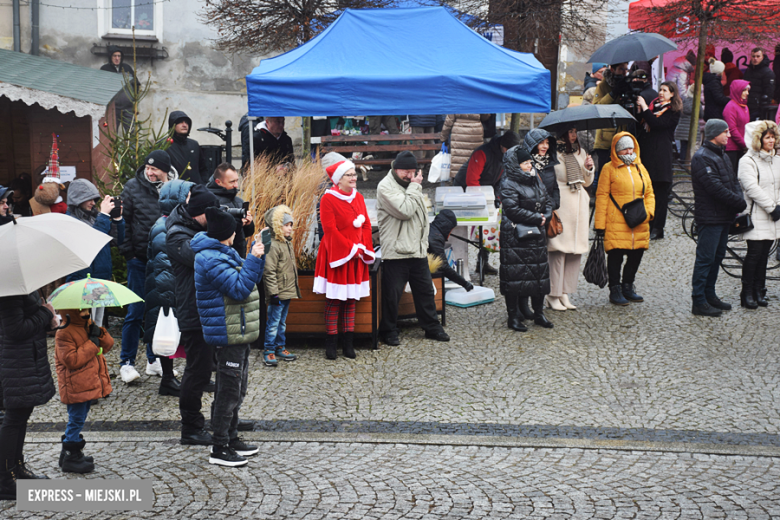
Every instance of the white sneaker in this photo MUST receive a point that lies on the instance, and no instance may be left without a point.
(128, 373)
(154, 369)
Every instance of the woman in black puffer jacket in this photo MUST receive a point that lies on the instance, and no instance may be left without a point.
(524, 269)
(26, 380)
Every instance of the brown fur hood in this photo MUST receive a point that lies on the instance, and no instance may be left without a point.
(273, 219)
(754, 130)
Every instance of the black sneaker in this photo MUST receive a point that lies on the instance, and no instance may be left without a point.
(245, 425)
(242, 448)
(391, 339)
(197, 438)
(226, 456)
(438, 336)
(705, 309)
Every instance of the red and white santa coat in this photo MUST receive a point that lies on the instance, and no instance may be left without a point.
(346, 250)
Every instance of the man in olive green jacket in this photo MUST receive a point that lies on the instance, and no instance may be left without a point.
(403, 235)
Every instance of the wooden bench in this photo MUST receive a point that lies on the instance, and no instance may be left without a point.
(368, 144)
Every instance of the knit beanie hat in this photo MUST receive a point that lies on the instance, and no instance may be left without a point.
(336, 171)
(287, 219)
(509, 139)
(331, 158)
(716, 67)
(597, 67)
(623, 143)
(221, 224)
(5, 193)
(201, 199)
(160, 160)
(522, 154)
(714, 128)
(81, 190)
(405, 161)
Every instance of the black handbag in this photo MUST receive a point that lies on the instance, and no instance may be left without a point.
(634, 212)
(523, 232)
(744, 223)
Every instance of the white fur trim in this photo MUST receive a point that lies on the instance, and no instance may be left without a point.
(358, 222)
(355, 249)
(346, 198)
(341, 169)
(341, 292)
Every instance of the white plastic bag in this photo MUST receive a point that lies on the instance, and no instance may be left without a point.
(166, 334)
(440, 166)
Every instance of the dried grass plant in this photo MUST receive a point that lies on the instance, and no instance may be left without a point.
(299, 186)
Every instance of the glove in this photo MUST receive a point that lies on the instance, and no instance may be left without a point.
(94, 334)
(497, 202)
(775, 214)
(600, 233)
(469, 287)
(275, 300)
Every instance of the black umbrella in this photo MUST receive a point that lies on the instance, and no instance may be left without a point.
(586, 117)
(632, 47)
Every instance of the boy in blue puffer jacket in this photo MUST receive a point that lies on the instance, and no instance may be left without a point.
(229, 308)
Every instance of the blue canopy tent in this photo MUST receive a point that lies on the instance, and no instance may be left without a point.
(398, 61)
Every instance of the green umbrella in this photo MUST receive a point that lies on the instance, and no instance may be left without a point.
(92, 292)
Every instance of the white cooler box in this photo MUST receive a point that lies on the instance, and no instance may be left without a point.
(460, 298)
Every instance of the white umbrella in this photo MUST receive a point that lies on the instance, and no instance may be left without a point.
(39, 250)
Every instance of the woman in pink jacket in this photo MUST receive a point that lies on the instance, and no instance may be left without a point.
(737, 115)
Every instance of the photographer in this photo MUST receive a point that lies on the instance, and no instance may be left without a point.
(224, 185)
(610, 91)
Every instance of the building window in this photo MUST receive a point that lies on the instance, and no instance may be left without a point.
(118, 17)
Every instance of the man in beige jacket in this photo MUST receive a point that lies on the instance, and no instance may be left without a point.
(403, 234)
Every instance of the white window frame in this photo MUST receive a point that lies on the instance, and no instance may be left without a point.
(105, 25)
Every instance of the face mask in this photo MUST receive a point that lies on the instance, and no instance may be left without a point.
(628, 158)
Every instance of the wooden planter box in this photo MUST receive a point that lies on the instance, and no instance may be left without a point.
(307, 314)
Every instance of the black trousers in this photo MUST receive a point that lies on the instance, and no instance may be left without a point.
(12, 434)
(232, 380)
(197, 374)
(661, 191)
(754, 266)
(395, 274)
(735, 156)
(615, 262)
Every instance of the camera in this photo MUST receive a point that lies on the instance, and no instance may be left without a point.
(117, 211)
(238, 213)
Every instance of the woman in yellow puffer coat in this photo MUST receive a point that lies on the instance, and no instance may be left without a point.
(623, 179)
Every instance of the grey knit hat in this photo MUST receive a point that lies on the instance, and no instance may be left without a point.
(623, 143)
(81, 190)
(331, 158)
(287, 219)
(714, 128)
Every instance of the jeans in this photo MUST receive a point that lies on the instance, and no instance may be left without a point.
(754, 266)
(77, 415)
(661, 190)
(232, 379)
(197, 374)
(615, 262)
(12, 434)
(276, 325)
(134, 321)
(395, 274)
(710, 252)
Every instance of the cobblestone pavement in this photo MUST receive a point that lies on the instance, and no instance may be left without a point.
(618, 412)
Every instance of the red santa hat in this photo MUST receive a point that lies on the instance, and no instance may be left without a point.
(337, 170)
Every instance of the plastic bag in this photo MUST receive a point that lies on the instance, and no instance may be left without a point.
(440, 166)
(166, 334)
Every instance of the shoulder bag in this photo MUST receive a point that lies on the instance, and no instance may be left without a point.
(554, 225)
(744, 223)
(634, 212)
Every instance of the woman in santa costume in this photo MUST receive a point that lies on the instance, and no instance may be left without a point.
(345, 253)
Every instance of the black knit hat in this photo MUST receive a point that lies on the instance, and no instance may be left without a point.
(509, 139)
(221, 224)
(160, 160)
(405, 161)
(201, 199)
(522, 154)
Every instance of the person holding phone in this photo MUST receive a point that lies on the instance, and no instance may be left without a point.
(224, 185)
(403, 235)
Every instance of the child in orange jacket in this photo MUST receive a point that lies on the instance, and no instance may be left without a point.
(82, 375)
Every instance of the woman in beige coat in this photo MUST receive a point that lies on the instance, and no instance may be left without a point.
(465, 134)
(573, 173)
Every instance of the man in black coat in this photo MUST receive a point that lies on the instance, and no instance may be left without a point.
(141, 209)
(438, 233)
(270, 139)
(717, 199)
(184, 222)
(224, 185)
(186, 154)
(123, 103)
(762, 83)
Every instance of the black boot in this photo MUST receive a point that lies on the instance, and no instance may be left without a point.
(482, 262)
(524, 308)
(8, 484)
(616, 295)
(73, 460)
(346, 346)
(24, 473)
(515, 319)
(629, 293)
(539, 318)
(760, 295)
(88, 458)
(747, 299)
(169, 385)
(330, 346)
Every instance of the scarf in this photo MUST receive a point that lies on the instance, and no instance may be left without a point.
(399, 180)
(540, 161)
(574, 177)
(86, 217)
(628, 159)
(179, 138)
(657, 110)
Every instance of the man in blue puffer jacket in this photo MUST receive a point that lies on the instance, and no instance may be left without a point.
(229, 309)
(160, 282)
